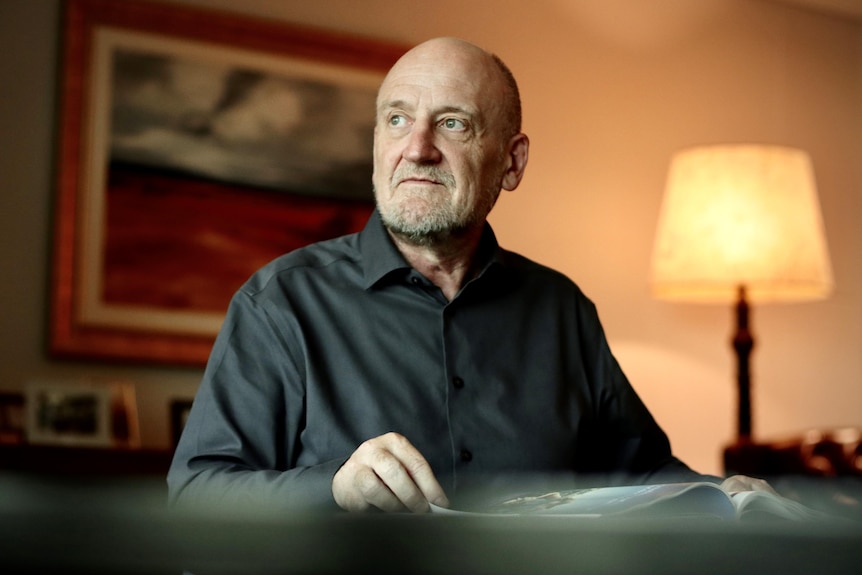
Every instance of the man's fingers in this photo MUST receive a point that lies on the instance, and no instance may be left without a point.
(388, 473)
(420, 472)
(393, 482)
(375, 492)
(739, 483)
(356, 487)
(405, 472)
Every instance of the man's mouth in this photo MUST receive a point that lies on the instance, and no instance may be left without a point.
(420, 180)
(423, 178)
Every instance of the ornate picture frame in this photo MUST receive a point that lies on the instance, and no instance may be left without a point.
(194, 147)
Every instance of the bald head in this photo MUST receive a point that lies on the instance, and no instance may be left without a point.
(462, 60)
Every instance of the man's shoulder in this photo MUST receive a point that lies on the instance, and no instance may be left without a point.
(341, 252)
(526, 267)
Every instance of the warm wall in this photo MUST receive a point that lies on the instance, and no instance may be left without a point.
(610, 90)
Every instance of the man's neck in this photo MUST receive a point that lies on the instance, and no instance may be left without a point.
(447, 264)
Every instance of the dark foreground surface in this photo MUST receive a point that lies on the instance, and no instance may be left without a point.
(119, 527)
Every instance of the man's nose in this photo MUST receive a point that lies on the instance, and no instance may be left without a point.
(421, 146)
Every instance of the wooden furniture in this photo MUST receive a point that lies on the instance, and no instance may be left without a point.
(816, 453)
(822, 469)
(78, 461)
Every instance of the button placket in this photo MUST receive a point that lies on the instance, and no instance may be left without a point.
(459, 403)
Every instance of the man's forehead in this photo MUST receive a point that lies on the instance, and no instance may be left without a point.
(441, 89)
(444, 52)
(442, 63)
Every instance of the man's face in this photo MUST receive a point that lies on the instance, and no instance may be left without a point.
(439, 152)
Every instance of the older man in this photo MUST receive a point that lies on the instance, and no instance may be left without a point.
(417, 359)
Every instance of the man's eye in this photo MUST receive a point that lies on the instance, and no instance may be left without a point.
(454, 124)
(397, 120)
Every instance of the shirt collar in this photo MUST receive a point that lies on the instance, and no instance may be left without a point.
(380, 257)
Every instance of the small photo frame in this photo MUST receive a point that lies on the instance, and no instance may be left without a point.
(11, 417)
(69, 414)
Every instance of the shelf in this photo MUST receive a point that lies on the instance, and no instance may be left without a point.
(84, 461)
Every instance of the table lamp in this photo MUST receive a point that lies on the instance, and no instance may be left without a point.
(741, 223)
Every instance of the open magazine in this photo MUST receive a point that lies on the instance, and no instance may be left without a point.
(663, 500)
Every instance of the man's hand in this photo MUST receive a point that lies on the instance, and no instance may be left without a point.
(737, 483)
(389, 474)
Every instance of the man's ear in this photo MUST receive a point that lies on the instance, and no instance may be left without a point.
(516, 157)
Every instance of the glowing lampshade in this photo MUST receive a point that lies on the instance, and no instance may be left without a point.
(741, 215)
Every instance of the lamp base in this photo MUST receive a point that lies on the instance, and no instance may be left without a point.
(743, 343)
(747, 458)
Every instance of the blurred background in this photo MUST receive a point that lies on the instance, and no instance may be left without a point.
(610, 91)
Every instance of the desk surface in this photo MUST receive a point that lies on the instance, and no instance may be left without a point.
(67, 527)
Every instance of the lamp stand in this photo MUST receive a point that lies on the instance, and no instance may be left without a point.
(745, 456)
(743, 343)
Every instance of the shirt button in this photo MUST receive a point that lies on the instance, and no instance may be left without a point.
(458, 382)
(415, 281)
(466, 456)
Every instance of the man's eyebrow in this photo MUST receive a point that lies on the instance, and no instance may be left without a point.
(389, 104)
(457, 109)
(403, 104)
(393, 104)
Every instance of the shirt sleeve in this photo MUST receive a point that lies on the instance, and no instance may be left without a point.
(239, 445)
(621, 443)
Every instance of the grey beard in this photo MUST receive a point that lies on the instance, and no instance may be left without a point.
(441, 224)
(424, 235)
(434, 229)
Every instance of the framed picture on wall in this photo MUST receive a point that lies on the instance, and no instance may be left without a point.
(195, 147)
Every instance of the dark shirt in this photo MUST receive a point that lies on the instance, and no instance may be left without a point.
(342, 341)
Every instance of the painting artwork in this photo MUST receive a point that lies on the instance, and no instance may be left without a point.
(214, 170)
(190, 158)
